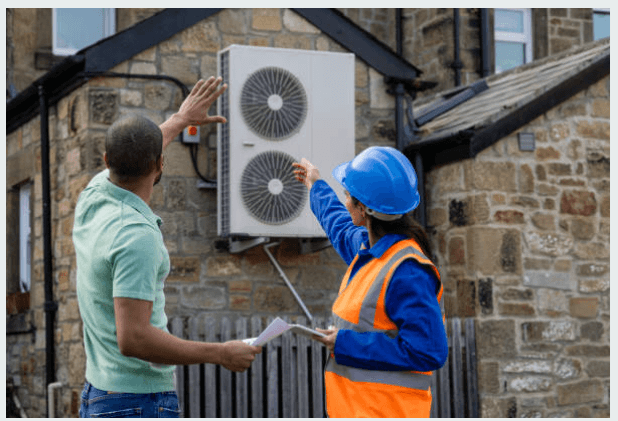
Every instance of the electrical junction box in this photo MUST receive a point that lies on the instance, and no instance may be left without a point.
(191, 134)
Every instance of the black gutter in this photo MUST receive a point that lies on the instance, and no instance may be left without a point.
(50, 306)
(366, 47)
(485, 44)
(457, 65)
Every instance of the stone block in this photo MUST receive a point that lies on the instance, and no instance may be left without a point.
(157, 96)
(516, 309)
(593, 129)
(176, 194)
(496, 339)
(578, 203)
(526, 179)
(184, 269)
(201, 37)
(559, 330)
(232, 21)
(180, 67)
(590, 351)
(593, 285)
(514, 294)
(559, 131)
(489, 377)
(295, 23)
(591, 251)
(493, 251)
(509, 217)
(547, 154)
(274, 299)
(535, 367)
(266, 20)
(457, 253)
(466, 298)
(143, 68)
(204, 298)
(222, 266)
(585, 391)
(531, 263)
(379, 99)
(593, 331)
(529, 384)
(103, 106)
(592, 270)
(604, 207)
(498, 407)
(584, 307)
(567, 369)
(552, 301)
(240, 302)
(549, 244)
(600, 108)
(598, 369)
(500, 176)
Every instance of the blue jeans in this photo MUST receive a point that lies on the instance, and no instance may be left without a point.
(100, 404)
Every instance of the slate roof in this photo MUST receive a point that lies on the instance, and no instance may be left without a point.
(513, 98)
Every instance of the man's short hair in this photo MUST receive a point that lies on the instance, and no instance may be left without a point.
(133, 144)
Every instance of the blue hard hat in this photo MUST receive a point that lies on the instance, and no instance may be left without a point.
(381, 178)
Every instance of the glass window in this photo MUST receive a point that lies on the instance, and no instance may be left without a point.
(600, 23)
(74, 29)
(513, 38)
(24, 239)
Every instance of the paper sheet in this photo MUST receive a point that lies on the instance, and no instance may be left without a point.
(277, 328)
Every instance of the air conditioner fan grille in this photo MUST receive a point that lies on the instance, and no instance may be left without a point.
(269, 190)
(273, 103)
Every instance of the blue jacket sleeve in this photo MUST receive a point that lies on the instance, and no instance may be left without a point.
(335, 219)
(411, 304)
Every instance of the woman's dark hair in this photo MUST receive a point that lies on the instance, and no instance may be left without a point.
(133, 145)
(405, 225)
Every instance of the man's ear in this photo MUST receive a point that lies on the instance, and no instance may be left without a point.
(105, 159)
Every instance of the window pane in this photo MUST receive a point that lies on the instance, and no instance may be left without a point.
(24, 238)
(509, 20)
(78, 28)
(509, 55)
(600, 24)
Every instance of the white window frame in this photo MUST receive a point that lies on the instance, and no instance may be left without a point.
(25, 238)
(600, 11)
(109, 28)
(524, 38)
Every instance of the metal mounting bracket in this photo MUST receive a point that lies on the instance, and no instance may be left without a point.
(238, 246)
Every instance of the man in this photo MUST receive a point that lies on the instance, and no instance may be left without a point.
(122, 264)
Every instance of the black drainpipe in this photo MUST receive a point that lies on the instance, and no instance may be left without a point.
(399, 91)
(457, 64)
(50, 306)
(485, 48)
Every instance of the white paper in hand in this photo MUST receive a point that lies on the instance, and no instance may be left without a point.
(277, 328)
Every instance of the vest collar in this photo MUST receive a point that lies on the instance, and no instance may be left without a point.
(382, 245)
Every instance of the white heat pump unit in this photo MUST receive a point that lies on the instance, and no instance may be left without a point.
(281, 105)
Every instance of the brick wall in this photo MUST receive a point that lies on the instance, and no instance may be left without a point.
(522, 240)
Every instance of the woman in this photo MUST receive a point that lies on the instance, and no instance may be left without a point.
(388, 333)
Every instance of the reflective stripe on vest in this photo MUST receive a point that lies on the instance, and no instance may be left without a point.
(372, 313)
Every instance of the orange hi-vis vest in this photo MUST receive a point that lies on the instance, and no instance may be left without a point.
(360, 306)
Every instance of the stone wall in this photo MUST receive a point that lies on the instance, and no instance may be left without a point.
(568, 28)
(501, 222)
(522, 240)
(203, 277)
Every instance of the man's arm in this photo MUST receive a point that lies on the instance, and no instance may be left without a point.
(138, 338)
(194, 109)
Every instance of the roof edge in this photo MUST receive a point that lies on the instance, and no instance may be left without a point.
(540, 105)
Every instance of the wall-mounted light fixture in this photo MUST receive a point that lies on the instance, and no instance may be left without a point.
(526, 141)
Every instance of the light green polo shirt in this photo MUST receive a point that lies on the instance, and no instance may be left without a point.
(120, 253)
